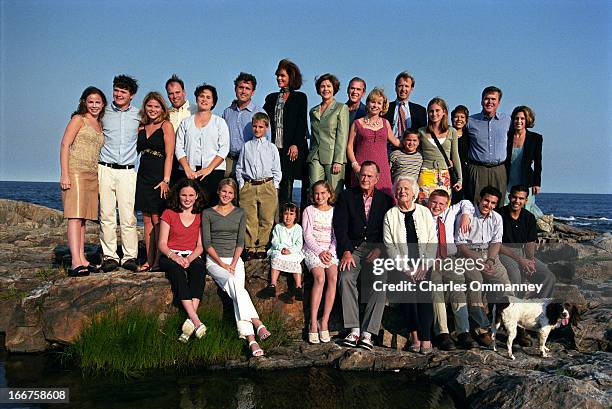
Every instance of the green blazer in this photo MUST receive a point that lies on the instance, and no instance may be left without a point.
(329, 134)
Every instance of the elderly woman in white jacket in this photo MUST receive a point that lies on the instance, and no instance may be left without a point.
(410, 233)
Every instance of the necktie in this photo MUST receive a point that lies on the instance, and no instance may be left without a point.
(401, 122)
(442, 250)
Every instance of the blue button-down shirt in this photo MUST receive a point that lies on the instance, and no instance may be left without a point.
(239, 124)
(488, 137)
(259, 159)
(120, 135)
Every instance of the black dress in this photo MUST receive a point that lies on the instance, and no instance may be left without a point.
(150, 171)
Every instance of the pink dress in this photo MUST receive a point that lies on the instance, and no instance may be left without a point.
(318, 236)
(372, 145)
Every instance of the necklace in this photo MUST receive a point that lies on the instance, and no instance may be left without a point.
(368, 121)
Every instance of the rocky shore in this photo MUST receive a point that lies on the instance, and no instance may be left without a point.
(41, 308)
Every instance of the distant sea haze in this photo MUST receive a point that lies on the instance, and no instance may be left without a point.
(590, 211)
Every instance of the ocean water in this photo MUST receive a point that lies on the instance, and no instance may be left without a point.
(590, 211)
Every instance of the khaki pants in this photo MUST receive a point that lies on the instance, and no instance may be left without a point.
(456, 298)
(117, 191)
(478, 177)
(475, 298)
(259, 203)
(230, 167)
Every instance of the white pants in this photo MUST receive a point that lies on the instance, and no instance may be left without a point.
(233, 285)
(117, 190)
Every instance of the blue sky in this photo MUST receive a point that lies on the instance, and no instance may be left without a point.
(553, 56)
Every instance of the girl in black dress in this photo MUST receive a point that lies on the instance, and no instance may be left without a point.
(156, 147)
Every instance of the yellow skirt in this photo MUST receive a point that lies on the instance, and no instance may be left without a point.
(433, 179)
(81, 200)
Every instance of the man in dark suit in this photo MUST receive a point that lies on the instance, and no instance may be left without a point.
(412, 115)
(358, 226)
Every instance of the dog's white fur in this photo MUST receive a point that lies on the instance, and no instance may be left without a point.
(529, 315)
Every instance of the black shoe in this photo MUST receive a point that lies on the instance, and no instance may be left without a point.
(109, 264)
(92, 268)
(269, 291)
(298, 292)
(445, 343)
(465, 341)
(522, 338)
(130, 264)
(80, 271)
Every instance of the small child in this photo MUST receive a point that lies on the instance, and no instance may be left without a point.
(320, 258)
(286, 251)
(408, 160)
(258, 173)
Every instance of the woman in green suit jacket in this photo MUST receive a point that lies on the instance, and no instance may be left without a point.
(329, 125)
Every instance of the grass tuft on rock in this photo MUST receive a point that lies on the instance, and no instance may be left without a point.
(135, 342)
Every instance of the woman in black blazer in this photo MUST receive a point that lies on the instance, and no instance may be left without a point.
(287, 110)
(524, 149)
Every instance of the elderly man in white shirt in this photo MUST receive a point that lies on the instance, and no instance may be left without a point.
(482, 244)
(447, 221)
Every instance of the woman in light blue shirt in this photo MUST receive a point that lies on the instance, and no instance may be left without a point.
(202, 143)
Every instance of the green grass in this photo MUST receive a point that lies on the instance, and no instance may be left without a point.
(136, 343)
(13, 293)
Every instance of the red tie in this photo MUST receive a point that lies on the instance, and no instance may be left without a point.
(442, 250)
(401, 122)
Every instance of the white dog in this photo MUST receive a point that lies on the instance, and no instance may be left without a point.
(542, 315)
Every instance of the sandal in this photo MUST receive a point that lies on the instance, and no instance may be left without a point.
(415, 348)
(187, 330)
(200, 331)
(257, 351)
(263, 333)
(313, 337)
(143, 268)
(79, 271)
(92, 268)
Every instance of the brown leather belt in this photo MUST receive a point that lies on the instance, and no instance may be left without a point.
(260, 181)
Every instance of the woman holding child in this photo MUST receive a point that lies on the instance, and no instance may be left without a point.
(180, 246)
(368, 140)
(202, 143)
(79, 153)
(409, 231)
(440, 150)
(223, 230)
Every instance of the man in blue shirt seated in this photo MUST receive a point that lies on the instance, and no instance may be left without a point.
(117, 176)
(487, 133)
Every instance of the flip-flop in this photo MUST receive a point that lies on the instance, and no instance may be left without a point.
(256, 352)
(263, 333)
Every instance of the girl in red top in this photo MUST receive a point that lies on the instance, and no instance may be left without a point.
(180, 244)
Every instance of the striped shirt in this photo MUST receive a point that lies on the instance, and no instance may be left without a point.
(403, 163)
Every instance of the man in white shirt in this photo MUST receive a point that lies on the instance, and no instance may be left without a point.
(482, 244)
(179, 110)
(447, 221)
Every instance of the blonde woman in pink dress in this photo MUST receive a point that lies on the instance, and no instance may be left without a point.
(368, 138)
(320, 258)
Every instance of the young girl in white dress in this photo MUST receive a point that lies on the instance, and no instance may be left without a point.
(286, 251)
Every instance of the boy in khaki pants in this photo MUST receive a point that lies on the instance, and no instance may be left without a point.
(258, 173)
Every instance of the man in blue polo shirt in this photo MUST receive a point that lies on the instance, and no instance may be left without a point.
(117, 176)
(488, 133)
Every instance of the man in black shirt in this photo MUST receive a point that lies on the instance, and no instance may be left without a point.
(519, 242)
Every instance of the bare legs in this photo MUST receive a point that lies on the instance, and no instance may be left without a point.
(274, 274)
(151, 236)
(76, 242)
(191, 307)
(320, 275)
(416, 342)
